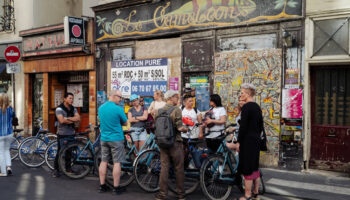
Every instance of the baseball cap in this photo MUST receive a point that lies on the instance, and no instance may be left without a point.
(170, 93)
(134, 96)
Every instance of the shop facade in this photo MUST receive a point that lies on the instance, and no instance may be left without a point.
(53, 68)
(327, 86)
(214, 47)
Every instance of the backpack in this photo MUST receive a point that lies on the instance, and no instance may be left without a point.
(164, 133)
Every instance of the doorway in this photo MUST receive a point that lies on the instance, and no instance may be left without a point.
(330, 108)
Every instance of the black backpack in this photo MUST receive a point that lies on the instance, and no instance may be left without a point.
(165, 134)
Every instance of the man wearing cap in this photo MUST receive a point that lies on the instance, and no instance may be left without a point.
(137, 117)
(175, 153)
(112, 117)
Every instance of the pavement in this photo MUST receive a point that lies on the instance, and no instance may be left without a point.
(37, 184)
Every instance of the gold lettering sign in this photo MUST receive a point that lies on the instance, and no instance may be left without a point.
(175, 16)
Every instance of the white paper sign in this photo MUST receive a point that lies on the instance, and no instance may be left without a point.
(12, 68)
(140, 77)
(58, 97)
(77, 90)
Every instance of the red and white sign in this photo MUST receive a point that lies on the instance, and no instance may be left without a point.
(12, 54)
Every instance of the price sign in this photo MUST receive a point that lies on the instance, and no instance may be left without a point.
(141, 77)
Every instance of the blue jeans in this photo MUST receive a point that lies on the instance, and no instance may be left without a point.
(62, 142)
(5, 157)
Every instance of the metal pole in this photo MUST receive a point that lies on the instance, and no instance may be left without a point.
(13, 91)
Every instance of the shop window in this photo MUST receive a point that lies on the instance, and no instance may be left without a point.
(331, 37)
(7, 15)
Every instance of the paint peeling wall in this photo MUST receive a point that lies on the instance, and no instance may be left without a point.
(263, 69)
(162, 48)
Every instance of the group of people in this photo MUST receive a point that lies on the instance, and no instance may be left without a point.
(112, 118)
(211, 127)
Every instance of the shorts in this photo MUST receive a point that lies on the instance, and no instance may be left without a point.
(139, 134)
(114, 150)
(253, 176)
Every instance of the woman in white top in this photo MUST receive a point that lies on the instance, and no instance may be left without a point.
(158, 102)
(215, 123)
(193, 114)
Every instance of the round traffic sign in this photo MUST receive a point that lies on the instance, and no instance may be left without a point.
(12, 54)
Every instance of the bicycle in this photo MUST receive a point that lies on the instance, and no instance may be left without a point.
(76, 160)
(147, 168)
(219, 172)
(16, 141)
(31, 150)
(127, 176)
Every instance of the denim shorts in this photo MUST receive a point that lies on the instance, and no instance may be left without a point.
(139, 134)
(114, 150)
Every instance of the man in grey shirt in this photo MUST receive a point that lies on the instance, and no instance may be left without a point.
(66, 116)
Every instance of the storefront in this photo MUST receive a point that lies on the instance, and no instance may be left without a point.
(53, 68)
(214, 47)
(327, 86)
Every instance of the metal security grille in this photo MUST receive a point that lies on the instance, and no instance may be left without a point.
(332, 97)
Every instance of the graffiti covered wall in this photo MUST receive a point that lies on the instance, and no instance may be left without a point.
(263, 69)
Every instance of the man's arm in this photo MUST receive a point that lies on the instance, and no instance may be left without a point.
(63, 120)
(76, 117)
(178, 120)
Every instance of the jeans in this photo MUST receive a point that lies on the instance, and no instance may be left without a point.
(176, 154)
(5, 157)
(62, 142)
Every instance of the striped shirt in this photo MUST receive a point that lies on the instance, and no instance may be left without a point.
(6, 121)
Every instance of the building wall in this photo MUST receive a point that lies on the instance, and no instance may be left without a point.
(317, 7)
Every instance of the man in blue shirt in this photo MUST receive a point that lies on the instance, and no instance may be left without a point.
(112, 117)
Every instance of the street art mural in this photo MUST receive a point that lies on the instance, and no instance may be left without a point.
(261, 68)
(180, 15)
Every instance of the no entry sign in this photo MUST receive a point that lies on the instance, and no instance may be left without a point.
(12, 54)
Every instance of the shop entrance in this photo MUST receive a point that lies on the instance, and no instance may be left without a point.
(330, 132)
(76, 83)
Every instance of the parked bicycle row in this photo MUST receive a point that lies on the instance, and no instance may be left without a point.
(167, 146)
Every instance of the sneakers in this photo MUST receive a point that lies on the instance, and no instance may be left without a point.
(9, 171)
(103, 188)
(119, 190)
(56, 174)
(1, 174)
(159, 197)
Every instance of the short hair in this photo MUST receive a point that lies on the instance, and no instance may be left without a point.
(216, 99)
(187, 97)
(250, 87)
(67, 94)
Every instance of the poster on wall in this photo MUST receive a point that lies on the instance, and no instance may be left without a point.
(101, 98)
(174, 83)
(58, 97)
(292, 79)
(292, 103)
(141, 77)
(77, 90)
(122, 54)
(201, 85)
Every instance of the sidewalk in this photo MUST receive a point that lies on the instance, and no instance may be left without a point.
(310, 184)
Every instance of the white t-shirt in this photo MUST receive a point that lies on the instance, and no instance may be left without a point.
(218, 112)
(193, 115)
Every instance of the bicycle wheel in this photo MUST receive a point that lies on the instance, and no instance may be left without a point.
(50, 154)
(147, 170)
(212, 187)
(14, 148)
(76, 160)
(31, 152)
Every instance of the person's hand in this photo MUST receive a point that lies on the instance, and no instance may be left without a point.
(237, 147)
(208, 120)
(200, 136)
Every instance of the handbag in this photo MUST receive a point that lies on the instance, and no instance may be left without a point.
(14, 118)
(263, 139)
(149, 124)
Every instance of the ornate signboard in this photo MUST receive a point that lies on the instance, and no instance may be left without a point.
(182, 15)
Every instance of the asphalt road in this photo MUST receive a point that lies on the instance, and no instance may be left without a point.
(37, 184)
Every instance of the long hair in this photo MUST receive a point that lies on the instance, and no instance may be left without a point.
(4, 102)
(216, 99)
(160, 94)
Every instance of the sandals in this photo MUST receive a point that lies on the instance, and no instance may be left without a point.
(255, 196)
